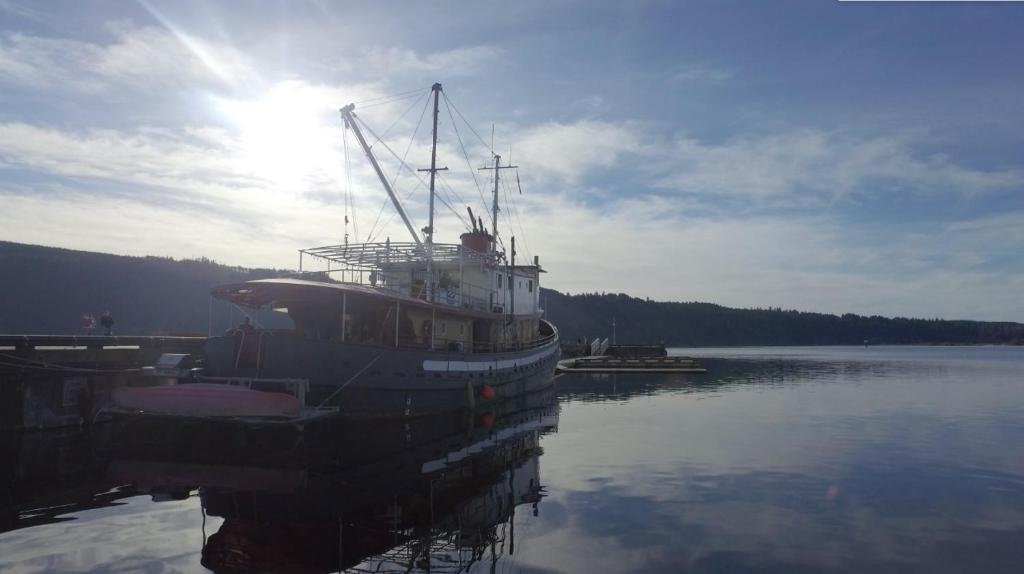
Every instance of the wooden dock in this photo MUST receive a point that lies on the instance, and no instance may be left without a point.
(49, 381)
(612, 364)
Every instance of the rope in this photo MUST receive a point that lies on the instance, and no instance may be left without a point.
(400, 166)
(388, 99)
(512, 214)
(398, 171)
(470, 126)
(348, 185)
(44, 366)
(465, 154)
(399, 118)
(352, 378)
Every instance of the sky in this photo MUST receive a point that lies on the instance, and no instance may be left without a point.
(813, 155)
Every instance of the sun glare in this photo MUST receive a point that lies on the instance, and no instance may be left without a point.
(287, 136)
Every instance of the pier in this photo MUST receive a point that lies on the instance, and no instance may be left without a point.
(51, 381)
(600, 357)
(611, 364)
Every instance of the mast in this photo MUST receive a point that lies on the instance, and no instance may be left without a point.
(429, 229)
(350, 122)
(494, 204)
(433, 166)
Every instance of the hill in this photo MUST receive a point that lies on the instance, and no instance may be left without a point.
(47, 290)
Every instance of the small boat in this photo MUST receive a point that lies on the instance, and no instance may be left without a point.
(207, 400)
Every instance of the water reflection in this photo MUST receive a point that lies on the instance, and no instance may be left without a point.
(812, 462)
(818, 461)
(437, 494)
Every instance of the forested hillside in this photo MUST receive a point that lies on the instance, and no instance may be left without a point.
(48, 290)
(706, 324)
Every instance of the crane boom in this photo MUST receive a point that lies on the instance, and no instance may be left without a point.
(350, 122)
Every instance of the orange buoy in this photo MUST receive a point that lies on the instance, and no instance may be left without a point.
(487, 420)
(487, 392)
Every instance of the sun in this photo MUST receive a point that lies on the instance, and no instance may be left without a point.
(289, 136)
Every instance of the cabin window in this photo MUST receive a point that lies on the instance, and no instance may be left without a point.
(529, 285)
(443, 325)
(462, 329)
(499, 281)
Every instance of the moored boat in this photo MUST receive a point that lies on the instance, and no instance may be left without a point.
(396, 328)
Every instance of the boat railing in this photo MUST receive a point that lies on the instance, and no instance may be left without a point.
(370, 256)
(464, 295)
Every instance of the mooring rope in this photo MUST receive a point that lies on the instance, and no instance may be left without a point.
(352, 378)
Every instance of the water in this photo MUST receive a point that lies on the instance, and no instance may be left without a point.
(899, 459)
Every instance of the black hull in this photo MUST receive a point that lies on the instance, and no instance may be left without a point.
(366, 381)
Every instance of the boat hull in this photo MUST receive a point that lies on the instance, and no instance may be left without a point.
(375, 382)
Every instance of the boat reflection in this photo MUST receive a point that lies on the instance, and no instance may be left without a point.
(437, 494)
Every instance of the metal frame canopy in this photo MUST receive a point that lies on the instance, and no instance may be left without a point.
(379, 255)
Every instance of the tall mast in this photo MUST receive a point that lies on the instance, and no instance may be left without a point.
(350, 122)
(494, 204)
(429, 229)
(436, 88)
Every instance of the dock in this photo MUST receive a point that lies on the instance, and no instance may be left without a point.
(52, 381)
(601, 357)
(613, 364)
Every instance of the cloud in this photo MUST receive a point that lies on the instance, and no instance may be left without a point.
(809, 262)
(803, 166)
(457, 62)
(697, 74)
(146, 156)
(143, 59)
(572, 151)
(816, 162)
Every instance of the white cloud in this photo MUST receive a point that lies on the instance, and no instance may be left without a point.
(145, 59)
(698, 74)
(404, 61)
(644, 248)
(816, 162)
(571, 151)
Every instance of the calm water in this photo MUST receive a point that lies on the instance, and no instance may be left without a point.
(778, 460)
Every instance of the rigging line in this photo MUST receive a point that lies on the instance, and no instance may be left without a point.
(392, 152)
(392, 216)
(511, 212)
(453, 210)
(400, 95)
(446, 189)
(444, 181)
(348, 183)
(399, 118)
(401, 164)
(398, 172)
(465, 154)
(411, 139)
(515, 214)
(470, 126)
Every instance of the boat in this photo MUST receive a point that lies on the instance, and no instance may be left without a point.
(390, 329)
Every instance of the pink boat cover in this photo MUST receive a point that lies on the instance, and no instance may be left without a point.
(206, 400)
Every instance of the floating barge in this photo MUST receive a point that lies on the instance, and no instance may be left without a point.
(612, 364)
